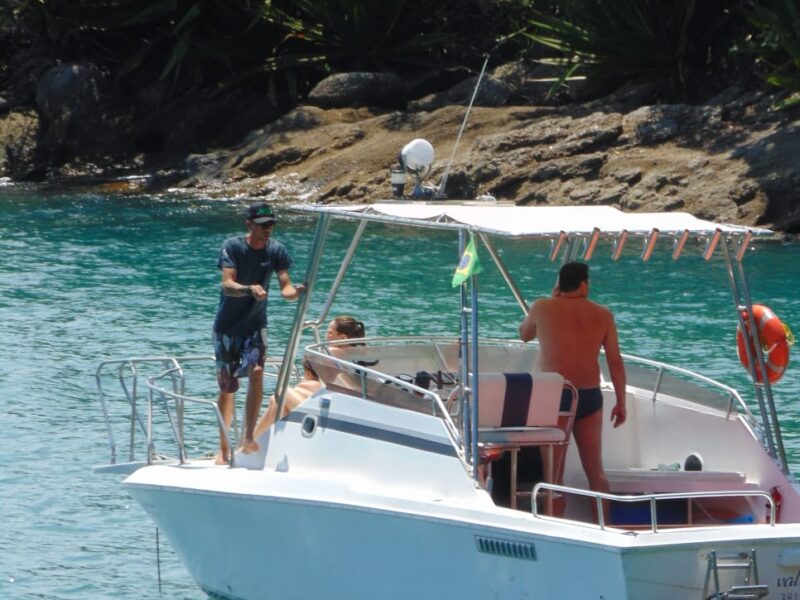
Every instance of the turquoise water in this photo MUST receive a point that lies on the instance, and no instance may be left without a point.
(85, 277)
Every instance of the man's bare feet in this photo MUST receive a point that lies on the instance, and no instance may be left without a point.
(249, 447)
(220, 459)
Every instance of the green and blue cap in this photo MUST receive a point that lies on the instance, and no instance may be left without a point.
(261, 213)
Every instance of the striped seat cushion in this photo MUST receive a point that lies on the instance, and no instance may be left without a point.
(519, 399)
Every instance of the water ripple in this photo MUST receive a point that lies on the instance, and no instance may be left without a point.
(87, 277)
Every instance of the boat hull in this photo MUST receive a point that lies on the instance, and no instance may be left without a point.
(251, 548)
(258, 546)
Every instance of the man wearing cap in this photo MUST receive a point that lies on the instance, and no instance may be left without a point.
(240, 342)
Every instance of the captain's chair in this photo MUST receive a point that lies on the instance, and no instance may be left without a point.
(518, 410)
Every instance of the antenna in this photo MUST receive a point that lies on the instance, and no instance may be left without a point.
(461, 130)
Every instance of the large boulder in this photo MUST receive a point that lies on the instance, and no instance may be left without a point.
(18, 133)
(69, 91)
(344, 90)
(70, 102)
(492, 92)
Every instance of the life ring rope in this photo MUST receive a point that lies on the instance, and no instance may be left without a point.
(789, 334)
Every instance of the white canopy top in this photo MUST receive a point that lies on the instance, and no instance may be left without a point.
(528, 221)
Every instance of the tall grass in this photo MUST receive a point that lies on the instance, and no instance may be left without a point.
(672, 44)
(775, 42)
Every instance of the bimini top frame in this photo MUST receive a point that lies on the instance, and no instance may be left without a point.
(573, 232)
(530, 222)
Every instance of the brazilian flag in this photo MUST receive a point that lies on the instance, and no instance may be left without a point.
(469, 264)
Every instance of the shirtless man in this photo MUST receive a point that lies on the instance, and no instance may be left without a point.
(571, 330)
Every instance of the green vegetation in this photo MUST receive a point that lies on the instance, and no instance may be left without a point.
(328, 36)
(683, 47)
(775, 43)
(206, 45)
(673, 44)
(189, 44)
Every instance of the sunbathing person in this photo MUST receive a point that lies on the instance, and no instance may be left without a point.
(340, 328)
(344, 327)
(295, 396)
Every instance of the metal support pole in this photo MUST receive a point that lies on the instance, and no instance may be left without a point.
(763, 389)
(474, 381)
(348, 257)
(132, 439)
(461, 129)
(751, 359)
(463, 354)
(504, 272)
(572, 250)
(320, 235)
(765, 385)
(109, 431)
(570, 253)
(150, 445)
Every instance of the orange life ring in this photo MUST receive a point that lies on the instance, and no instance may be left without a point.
(775, 339)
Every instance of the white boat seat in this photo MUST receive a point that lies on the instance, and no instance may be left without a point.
(517, 410)
(523, 409)
(519, 399)
(656, 481)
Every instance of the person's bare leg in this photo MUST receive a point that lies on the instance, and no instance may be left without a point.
(292, 400)
(588, 436)
(267, 419)
(559, 459)
(225, 405)
(255, 393)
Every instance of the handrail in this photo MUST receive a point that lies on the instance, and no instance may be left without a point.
(128, 371)
(599, 497)
(363, 372)
(293, 343)
(130, 394)
(661, 367)
(178, 436)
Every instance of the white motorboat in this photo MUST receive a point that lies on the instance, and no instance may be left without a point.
(379, 484)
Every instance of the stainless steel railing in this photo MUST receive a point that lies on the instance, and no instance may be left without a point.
(652, 499)
(388, 389)
(440, 352)
(177, 423)
(168, 382)
(698, 388)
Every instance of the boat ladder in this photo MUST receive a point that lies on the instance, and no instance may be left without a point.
(739, 561)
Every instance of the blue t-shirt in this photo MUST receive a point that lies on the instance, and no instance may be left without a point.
(242, 316)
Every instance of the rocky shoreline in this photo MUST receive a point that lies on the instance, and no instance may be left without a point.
(732, 158)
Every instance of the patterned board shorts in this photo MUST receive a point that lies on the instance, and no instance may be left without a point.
(235, 355)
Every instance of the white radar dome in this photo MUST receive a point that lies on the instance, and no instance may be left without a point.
(417, 154)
